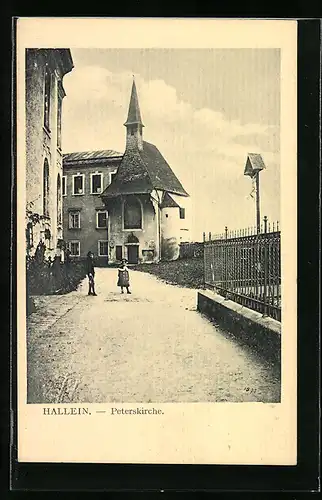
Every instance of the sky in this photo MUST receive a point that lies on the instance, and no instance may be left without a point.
(204, 109)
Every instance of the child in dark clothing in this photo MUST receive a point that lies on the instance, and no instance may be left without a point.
(90, 273)
(123, 277)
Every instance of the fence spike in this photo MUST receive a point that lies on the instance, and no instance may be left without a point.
(277, 226)
(273, 227)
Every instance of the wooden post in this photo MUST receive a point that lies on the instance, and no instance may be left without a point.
(258, 217)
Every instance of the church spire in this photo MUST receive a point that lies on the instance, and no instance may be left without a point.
(134, 114)
(134, 123)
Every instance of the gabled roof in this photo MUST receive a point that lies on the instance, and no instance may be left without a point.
(91, 155)
(168, 201)
(143, 171)
(134, 114)
(254, 163)
(161, 174)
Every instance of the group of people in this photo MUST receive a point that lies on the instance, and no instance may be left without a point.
(123, 280)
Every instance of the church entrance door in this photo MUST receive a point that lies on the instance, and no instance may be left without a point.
(133, 254)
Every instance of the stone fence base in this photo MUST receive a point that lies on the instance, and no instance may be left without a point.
(262, 333)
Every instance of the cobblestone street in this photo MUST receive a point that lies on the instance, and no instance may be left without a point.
(151, 346)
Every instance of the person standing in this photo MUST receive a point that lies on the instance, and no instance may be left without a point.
(90, 273)
(123, 277)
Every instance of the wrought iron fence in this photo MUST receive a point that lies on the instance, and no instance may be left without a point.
(245, 267)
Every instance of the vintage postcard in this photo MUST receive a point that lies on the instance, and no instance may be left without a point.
(156, 240)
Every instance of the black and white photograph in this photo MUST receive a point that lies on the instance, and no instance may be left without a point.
(153, 227)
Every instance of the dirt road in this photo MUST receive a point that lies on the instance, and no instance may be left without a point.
(151, 346)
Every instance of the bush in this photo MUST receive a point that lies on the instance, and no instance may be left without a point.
(45, 278)
(183, 272)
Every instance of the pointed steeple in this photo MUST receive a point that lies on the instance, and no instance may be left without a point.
(133, 124)
(134, 114)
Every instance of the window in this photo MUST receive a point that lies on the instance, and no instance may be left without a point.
(112, 176)
(59, 110)
(101, 219)
(74, 248)
(102, 248)
(64, 185)
(59, 207)
(78, 184)
(96, 183)
(46, 188)
(74, 219)
(132, 214)
(47, 98)
(182, 213)
(148, 254)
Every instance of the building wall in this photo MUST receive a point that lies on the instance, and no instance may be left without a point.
(41, 144)
(88, 204)
(174, 230)
(147, 236)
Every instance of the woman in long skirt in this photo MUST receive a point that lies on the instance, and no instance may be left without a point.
(123, 277)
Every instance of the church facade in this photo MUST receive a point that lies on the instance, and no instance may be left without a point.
(147, 206)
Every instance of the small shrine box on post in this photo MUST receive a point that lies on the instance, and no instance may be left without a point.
(254, 165)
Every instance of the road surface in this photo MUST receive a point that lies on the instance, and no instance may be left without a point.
(150, 346)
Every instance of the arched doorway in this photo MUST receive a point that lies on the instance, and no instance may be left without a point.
(132, 249)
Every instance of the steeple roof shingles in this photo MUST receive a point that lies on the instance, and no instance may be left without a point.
(134, 114)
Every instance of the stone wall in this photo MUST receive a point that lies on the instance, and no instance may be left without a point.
(262, 333)
(42, 144)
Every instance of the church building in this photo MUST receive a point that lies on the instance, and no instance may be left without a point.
(148, 208)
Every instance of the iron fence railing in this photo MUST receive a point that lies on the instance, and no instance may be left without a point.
(246, 268)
